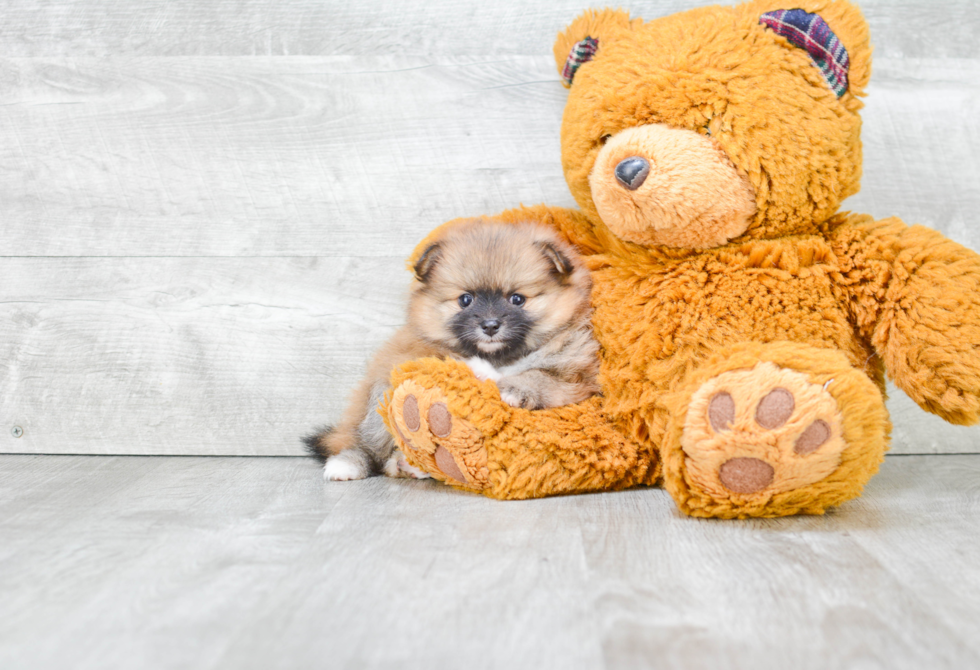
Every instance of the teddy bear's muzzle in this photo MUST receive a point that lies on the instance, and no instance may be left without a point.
(657, 185)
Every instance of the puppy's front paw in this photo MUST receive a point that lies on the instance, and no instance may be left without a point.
(482, 370)
(517, 396)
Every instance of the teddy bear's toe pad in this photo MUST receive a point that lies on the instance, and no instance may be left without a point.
(446, 463)
(448, 447)
(761, 431)
(410, 412)
(440, 420)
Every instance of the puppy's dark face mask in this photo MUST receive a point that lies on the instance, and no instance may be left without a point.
(492, 325)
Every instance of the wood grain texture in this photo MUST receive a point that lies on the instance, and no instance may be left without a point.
(258, 157)
(206, 205)
(363, 156)
(186, 355)
(911, 28)
(921, 136)
(255, 563)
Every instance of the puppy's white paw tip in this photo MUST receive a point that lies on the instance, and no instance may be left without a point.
(397, 466)
(337, 469)
(412, 471)
(391, 467)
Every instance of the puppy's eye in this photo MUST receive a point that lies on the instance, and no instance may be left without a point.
(517, 299)
(465, 300)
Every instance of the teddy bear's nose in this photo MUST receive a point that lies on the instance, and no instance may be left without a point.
(631, 172)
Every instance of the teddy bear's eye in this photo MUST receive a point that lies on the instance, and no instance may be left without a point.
(604, 139)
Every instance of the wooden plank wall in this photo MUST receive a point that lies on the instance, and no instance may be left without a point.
(206, 206)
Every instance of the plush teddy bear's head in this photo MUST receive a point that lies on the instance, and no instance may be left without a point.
(714, 124)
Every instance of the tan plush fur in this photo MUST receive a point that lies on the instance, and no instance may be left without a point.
(742, 355)
(693, 196)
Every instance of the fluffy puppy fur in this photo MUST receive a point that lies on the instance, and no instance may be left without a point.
(512, 300)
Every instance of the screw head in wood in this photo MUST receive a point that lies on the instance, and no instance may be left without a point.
(16, 431)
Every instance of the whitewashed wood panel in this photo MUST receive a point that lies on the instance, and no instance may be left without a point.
(915, 28)
(362, 156)
(256, 563)
(194, 355)
(147, 129)
(915, 431)
(283, 156)
(921, 138)
(219, 355)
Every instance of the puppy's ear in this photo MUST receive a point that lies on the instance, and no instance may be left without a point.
(561, 266)
(427, 262)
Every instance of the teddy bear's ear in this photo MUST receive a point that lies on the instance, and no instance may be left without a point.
(584, 36)
(834, 35)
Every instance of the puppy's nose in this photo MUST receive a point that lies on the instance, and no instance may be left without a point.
(632, 172)
(490, 326)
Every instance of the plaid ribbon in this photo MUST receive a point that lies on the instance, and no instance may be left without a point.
(582, 52)
(810, 32)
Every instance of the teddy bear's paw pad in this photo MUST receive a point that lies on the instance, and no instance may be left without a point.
(448, 447)
(761, 431)
(746, 475)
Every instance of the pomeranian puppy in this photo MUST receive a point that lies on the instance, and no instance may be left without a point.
(512, 301)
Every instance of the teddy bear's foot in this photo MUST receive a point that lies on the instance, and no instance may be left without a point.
(447, 446)
(774, 439)
(761, 431)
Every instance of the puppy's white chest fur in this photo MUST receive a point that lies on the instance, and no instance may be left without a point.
(483, 369)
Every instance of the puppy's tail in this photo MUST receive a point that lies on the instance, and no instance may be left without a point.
(316, 443)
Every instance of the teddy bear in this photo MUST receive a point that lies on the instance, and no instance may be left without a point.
(745, 323)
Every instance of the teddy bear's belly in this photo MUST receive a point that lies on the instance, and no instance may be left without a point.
(653, 327)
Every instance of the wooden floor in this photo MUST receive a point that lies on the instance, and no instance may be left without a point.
(219, 562)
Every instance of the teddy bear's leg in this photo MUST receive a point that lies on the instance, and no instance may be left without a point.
(457, 429)
(773, 430)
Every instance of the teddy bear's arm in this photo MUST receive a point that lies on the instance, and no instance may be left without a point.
(572, 224)
(915, 295)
